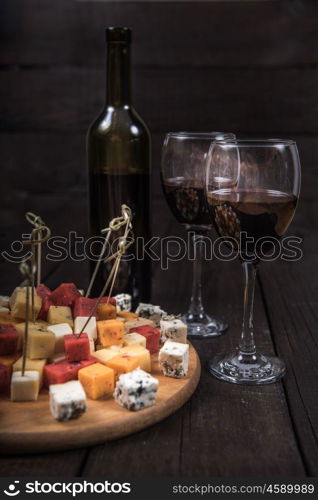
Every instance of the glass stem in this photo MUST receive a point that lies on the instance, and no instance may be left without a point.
(247, 345)
(196, 307)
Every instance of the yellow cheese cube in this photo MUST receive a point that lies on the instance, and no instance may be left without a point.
(106, 311)
(33, 365)
(123, 363)
(21, 327)
(110, 332)
(135, 339)
(26, 387)
(127, 315)
(8, 318)
(141, 353)
(129, 325)
(15, 292)
(41, 344)
(19, 303)
(98, 380)
(106, 353)
(60, 314)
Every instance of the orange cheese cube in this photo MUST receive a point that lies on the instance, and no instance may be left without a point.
(123, 363)
(106, 311)
(98, 380)
(127, 315)
(141, 353)
(110, 332)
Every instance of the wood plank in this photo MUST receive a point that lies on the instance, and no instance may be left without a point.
(176, 33)
(245, 100)
(221, 422)
(291, 297)
(67, 464)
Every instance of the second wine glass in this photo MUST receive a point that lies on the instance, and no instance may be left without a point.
(183, 180)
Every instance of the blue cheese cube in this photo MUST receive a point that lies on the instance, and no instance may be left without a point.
(174, 359)
(123, 302)
(149, 311)
(67, 401)
(173, 329)
(136, 390)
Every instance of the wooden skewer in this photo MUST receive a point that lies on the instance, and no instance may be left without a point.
(25, 270)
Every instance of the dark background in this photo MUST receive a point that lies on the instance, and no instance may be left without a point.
(250, 67)
(244, 66)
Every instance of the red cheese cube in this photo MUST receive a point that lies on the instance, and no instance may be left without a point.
(84, 306)
(65, 295)
(46, 304)
(77, 347)
(59, 373)
(5, 378)
(152, 336)
(43, 291)
(8, 339)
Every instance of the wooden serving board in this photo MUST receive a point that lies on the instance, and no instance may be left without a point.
(28, 427)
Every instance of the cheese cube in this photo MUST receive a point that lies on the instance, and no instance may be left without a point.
(6, 317)
(91, 346)
(105, 354)
(98, 380)
(127, 315)
(123, 363)
(83, 306)
(33, 365)
(110, 332)
(131, 325)
(8, 339)
(15, 292)
(90, 328)
(19, 304)
(141, 353)
(134, 338)
(21, 327)
(149, 311)
(25, 387)
(60, 314)
(174, 359)
(41, 343)
(123, 301)
(4, 309)
(65, 295)
(106, 311)
(56, 358)
(174, 330)
(77, 347)
(4, 300)
(9, 360)
(67, 401)
(136, 390)
(5, 377)
(63, 371)
(59, 332)
(152, 336)
(45, 293)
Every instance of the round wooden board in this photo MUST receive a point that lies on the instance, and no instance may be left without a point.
(28, 427)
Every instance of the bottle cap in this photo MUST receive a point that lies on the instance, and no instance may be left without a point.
(118, 34)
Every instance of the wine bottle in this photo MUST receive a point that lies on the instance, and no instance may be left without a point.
(118, 149)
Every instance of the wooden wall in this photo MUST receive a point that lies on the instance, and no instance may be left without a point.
(245, 66)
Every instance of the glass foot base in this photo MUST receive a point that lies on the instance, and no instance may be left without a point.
(246, 369)
(202, 326)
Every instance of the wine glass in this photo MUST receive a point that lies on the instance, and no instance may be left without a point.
(253, 212)
(183, 170)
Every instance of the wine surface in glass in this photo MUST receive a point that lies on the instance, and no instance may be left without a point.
(186, 200)
(260, 213)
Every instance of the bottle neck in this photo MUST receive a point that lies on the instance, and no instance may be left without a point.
(118, 74)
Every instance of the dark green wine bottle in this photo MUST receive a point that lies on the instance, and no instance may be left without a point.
(118, 146)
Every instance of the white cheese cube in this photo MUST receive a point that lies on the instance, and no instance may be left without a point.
(26, 387)
(91, 346)
(4, 309)
(67, 401)
(174, 359)
(135, 338)
(123, 302)
(149, 311)
(105, 354)
(136, 390)
(173, 329)
(59, 332)
(90, 328)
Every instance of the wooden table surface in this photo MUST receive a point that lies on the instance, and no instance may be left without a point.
(226, 430)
